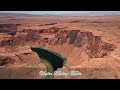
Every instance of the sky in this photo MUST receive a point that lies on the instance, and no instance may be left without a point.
(47, 12)
(66, 12)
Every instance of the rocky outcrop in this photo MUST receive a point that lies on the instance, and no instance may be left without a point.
(12, 41)
(5, 60)
(9, 25)
(72, 35)
(94, 45)
(64, 36)
(52, 30)
(17, 56)
(32, 36)
(19, 39)
(10, 29)
(5, 28)
(59, 38)
(74, 21)
(47, 24)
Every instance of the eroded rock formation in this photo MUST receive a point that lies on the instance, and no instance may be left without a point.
(77, 39)
(5, 60)
(94, 45)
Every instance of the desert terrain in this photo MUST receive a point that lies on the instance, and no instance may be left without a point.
(91, 45)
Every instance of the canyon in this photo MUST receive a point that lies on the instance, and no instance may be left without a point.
(90, 44)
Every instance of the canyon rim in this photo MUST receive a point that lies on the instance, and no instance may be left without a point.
(91, 45)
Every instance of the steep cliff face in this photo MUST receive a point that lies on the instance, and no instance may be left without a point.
(10, 29)
(93, 45)
(5, 28)
(64, 36)
(72, 35)
(52, 30)
(59, 38)
(79, 41)
(13, 41)
(13, 56)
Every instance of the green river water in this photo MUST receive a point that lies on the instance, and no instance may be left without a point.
(50, 59)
